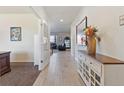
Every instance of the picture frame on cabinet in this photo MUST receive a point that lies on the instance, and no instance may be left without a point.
(15, 34)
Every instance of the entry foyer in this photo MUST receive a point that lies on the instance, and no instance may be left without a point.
(61, 46)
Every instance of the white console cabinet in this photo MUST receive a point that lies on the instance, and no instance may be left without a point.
(100, 70)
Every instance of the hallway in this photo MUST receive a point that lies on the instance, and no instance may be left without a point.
(60, 72)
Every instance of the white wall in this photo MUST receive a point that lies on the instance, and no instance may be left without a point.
(42, 41)
(73, 39)
(21, 51)
(107, 21)
(40, 13)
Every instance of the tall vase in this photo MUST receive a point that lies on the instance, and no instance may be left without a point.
(91, 46)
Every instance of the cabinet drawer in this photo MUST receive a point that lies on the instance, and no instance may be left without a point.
(96, 66)
(81, 57)
(3, 62)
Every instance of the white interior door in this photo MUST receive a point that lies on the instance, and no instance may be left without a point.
(42, 47)
(46, 45)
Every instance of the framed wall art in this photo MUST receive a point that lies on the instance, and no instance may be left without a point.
(81, 38)
(15, 34)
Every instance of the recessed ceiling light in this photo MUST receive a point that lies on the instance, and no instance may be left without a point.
(61, 20)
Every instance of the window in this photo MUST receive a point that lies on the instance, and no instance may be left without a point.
(52, 38)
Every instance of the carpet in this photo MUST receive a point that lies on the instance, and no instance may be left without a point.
(22, 74)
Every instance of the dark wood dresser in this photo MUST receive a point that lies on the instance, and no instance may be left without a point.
(4, 62)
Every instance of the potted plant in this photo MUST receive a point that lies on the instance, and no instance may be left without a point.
(91, 35)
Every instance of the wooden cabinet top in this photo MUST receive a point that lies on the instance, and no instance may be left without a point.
(103, 59)
(4, 52)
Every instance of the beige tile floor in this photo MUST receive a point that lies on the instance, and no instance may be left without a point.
(60, 72)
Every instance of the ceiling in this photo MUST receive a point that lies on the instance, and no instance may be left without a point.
(56, 13)
(15, 9)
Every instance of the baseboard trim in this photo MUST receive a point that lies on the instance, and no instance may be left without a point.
(21, 62)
